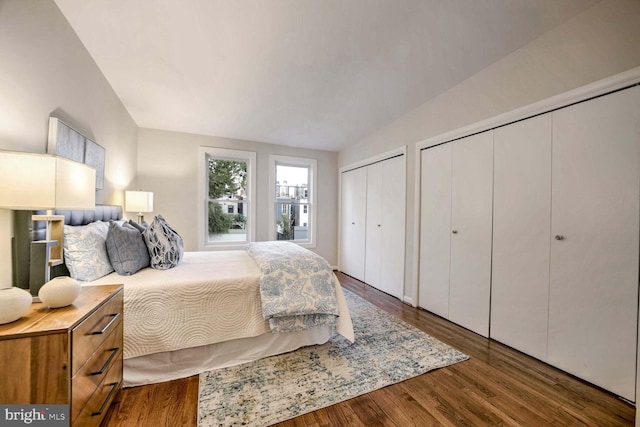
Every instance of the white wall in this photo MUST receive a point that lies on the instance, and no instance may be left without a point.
(167, 165)
(602, 41)
(45, 70)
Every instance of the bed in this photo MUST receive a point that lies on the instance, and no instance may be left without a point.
(205, 313)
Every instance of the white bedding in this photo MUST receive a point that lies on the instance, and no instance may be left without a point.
(210, 297)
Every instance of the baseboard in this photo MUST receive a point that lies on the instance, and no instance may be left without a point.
(409, 300)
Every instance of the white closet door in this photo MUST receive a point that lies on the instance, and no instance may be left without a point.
(353, 217)
(373, 252)
(521, 226)
(435, 229)
(593, 300)
(471, 222)
(393, 226)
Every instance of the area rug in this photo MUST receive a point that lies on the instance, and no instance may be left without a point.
(386, 351)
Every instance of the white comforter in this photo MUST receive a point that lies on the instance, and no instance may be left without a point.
(209, 297)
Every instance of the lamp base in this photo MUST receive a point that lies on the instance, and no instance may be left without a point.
(39, 268)
(140, 218)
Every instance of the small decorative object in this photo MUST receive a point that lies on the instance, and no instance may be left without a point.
(59, 292)
(14, 303)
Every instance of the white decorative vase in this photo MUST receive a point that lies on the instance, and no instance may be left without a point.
(59, 292)
(14, 302)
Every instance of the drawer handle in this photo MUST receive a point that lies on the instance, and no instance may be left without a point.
(114, 316)
(114, 387)
(113, 351)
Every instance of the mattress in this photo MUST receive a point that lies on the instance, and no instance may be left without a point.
(210, 297)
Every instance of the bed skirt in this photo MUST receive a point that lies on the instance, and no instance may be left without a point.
(172, 365)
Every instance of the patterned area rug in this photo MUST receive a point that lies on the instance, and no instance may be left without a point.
(386, 351)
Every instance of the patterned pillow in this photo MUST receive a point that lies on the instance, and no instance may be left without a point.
(164, 244)
(85, 251)
(126, 248)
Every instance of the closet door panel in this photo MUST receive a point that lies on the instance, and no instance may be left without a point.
(521, 241)
(471, 223)
(373, 251)
(393, 226)
(353, 210)
(594, 268)
(435, 229)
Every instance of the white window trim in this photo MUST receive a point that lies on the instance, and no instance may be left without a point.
(312, 164)
(225, 154)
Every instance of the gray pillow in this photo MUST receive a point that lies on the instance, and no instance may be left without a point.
(140, 227)
(164, 244)
(126, 248)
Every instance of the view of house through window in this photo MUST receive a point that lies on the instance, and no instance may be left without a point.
(292, 202)
(228, 206)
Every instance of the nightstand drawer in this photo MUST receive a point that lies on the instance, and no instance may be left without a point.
(89, 377)
(47, 354)
(91, 333)
(97, 406)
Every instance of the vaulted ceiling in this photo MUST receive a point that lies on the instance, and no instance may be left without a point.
(308, 73)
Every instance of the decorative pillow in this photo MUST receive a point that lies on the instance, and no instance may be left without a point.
(126, 248)
(140, 227)
(85, 251)
(164, 244)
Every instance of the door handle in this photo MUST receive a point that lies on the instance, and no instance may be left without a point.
(559, 237)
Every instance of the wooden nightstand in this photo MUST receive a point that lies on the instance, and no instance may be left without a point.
(70, 355)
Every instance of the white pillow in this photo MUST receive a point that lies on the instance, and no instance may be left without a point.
(85, 251)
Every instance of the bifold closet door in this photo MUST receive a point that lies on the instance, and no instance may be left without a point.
(385, 230)
(353, 216)
(593, 294)
(435, 229)
(393, 226)
(455, 230)
(471, 223)
(521, 240)
(374, 246)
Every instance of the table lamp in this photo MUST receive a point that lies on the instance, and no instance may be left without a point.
(32, 181)
(139, 202)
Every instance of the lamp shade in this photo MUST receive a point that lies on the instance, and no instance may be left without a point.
(43, 181)
(138, 201)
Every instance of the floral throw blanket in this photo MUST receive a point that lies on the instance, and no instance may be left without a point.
(297, 286)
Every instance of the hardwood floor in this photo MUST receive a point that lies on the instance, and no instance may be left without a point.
(496, 386)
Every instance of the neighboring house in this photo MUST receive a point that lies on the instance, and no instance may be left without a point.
(291, 203)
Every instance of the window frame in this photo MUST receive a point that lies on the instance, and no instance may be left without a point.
(203, 180)
(312, 164)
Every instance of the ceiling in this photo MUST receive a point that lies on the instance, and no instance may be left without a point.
(307, 73)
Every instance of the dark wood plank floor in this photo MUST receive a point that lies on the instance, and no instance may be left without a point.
(497, 386)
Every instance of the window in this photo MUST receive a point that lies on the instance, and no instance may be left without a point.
(226, 187)
(292, 217)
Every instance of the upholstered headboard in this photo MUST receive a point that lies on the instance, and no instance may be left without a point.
(26, 231)
(79, 217)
